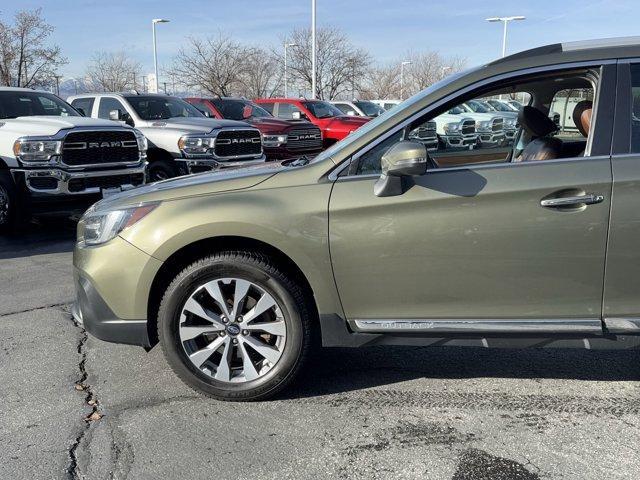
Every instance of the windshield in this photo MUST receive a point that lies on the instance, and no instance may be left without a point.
(367, 127)
(322, 109)
(17, 103)
(239, 109)
(477, 107)
(162, 108)
(499, 106)
(370, 109)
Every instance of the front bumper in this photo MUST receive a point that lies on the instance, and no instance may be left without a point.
(459, 141)
(55, 181)
(113, 283)
(491, 139)
(92, 312)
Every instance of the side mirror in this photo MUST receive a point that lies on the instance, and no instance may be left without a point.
(296, 115)
(114, 115)
(403, 160)
(351, 113)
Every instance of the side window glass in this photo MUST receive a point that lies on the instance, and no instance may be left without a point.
(369, 162)
(343, 107)
(86, 104)
(107, 104)
(285, 110)
(635, 110)
(571, 111)
(268, 107)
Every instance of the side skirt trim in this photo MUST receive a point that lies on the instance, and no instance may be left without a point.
(479, 326)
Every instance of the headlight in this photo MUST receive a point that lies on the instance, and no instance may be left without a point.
(273, 140)
(36, 150)
(511, 122)
(483, 125)
(195, 145)
(143, 145)
(96, 228)
(451, 127)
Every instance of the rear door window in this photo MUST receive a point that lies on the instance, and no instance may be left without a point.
(86, 104)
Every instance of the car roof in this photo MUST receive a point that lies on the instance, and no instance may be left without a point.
(20, 89)
(585, 50)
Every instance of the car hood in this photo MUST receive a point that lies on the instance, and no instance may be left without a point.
(277, 124)
(193, 185)
(193, 124)
(346, 121)
(51, 124)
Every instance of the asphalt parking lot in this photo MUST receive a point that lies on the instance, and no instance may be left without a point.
(439, 413)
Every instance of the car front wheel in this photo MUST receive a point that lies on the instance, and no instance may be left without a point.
(235, 326)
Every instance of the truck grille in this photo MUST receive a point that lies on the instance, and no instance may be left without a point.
(304, 139)
(99, 147)
(425, 132)
(238, 143)
(497, 125)
(468, 127)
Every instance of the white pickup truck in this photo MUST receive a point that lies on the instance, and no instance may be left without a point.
(181, 139)
(54, 160)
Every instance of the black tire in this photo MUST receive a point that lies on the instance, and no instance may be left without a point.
(162, 170)
(9, 218)
(262, 271)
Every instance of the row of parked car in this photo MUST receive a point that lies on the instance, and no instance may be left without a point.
(56, 155)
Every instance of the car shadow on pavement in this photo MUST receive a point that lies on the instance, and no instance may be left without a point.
(46, 235)
(341, 370)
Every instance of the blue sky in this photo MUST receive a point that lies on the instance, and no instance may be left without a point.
(387, 28)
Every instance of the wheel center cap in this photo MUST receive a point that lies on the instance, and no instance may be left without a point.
(233, 329)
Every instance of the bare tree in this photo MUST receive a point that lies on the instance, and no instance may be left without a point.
(382, 82)
(214, 65)
(427, 68)
(341, 66)
(262, 76)
(112, 72)
(26, 59)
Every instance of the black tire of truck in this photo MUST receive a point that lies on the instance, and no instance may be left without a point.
(9, 218)
(162, 170)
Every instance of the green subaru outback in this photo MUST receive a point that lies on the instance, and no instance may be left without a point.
(377, 242)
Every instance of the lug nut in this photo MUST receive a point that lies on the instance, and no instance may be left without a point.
(239, 319)
(225, 320)
(222, 334)
(235, 341)
(245, 332)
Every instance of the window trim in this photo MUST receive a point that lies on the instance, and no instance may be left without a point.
(334, 175)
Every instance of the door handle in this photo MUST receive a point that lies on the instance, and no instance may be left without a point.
(587, 199)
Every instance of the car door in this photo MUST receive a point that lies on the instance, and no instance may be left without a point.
(622, 283)
(474, 242)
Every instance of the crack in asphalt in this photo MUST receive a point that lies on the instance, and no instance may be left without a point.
(35, 309)
(90, 400)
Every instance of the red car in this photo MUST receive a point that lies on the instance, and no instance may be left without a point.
(334, 124)
(281, 139)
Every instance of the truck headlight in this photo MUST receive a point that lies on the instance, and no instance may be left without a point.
(96, 228)
(273, 140)
(483, 125)
(451, 127)
(191, 145)
(36, 150)
(143, 144)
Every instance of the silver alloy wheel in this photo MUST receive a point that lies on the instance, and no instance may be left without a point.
(4, 206)
(232, 330)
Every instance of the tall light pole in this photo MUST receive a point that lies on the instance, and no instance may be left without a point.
(313, 50)
(155, 50)
(402, 78)
(286, 45)
(505, 21)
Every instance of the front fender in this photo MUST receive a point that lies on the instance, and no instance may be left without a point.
(293, 220)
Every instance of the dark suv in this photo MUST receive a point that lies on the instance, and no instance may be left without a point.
(281, 139)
